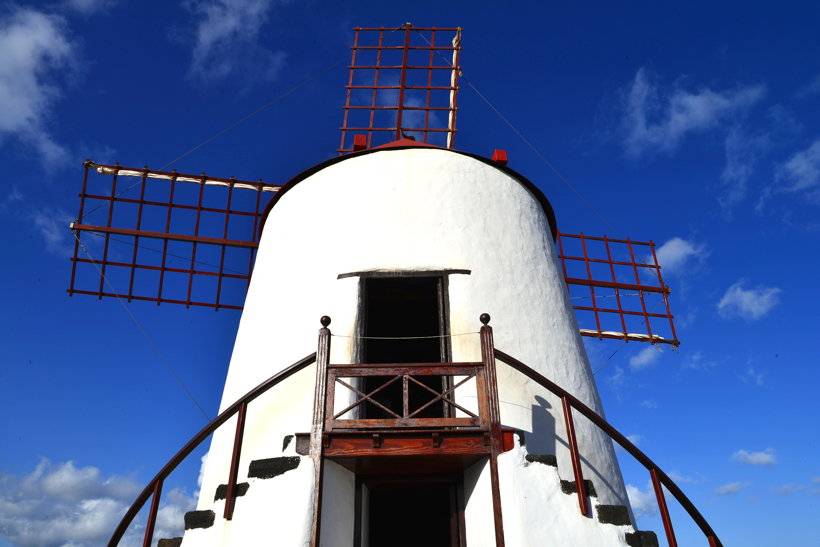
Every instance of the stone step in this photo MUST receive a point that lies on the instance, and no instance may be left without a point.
(613, 514)
(571, 487)
(199, 519)
(642, 539)
(272, 467)
(222, 490)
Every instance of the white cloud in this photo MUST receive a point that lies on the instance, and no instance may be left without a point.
(69, 506)
(801, 172)
(749, 304)
(811, 88)
(52, 225)
(644, 358)
(743, 149)
(618, 378)
(226, 40)
(679, 477)
(643, 502)
(697, 362)
(752, 376)
(674, 255)
(731, 488)
(656, 120)
(36, 52)
(815, 480)
(88, 7)
(764, 457)
(788, 489)
(14, 195)
(649, 404)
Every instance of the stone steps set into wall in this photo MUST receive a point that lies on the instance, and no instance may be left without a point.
(613, 515)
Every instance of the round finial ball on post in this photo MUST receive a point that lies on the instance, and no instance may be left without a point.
(325, 321)
(485, 318)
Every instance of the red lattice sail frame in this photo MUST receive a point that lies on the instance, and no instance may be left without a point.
(403, 83)
(186, 239)
(617, 289)
(192, 240)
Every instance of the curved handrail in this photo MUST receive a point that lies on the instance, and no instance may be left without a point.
(154, 487)
(594, 417)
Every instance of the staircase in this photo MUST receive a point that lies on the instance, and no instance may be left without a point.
(481, 447)
(611, 524)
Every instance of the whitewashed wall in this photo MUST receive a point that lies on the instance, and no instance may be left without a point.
(411, 209)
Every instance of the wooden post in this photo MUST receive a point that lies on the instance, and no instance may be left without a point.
(494, 418)
(317, 428)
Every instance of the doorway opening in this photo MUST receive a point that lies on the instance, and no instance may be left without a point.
(409, 511)
(405, 321)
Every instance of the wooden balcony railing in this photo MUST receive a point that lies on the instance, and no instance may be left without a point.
(411, 413)
(326, 421)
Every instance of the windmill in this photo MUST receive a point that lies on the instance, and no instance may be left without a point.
(418, 411)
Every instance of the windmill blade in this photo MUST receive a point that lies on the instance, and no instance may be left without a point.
(186, 239)
(616, 288)
(403, 83)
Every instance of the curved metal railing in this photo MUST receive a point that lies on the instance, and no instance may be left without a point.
(154, 488)
(659, 478)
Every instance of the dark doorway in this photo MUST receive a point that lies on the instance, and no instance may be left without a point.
(403, 322)
(414, 512)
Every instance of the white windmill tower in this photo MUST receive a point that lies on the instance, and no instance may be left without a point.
(413, 423)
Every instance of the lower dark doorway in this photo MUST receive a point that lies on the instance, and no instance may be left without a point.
(417, 512)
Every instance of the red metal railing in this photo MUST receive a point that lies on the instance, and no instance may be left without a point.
(659, 478)
(154, 488)
(488, 419)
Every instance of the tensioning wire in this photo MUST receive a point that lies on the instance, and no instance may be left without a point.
(405, 337)
(523, 138)
(180, 257)
(156, 349)
(229, 127)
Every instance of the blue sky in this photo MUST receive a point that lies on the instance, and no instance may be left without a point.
(695, 125)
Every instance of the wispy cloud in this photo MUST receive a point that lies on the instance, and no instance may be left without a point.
(743, 149)
(731, 488)
(800, 173)
(643, 502)
(645, 358)
(37, 53)
(788, 489)
(89, 7)
(763, 457)
(680, 478)
(657, 120)
(753, 376)
(52, 225)
(226, 40)
(811, 88)
(62, 505)
(696, 361)
(749, 304)
(649, 404)
(675, 255)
